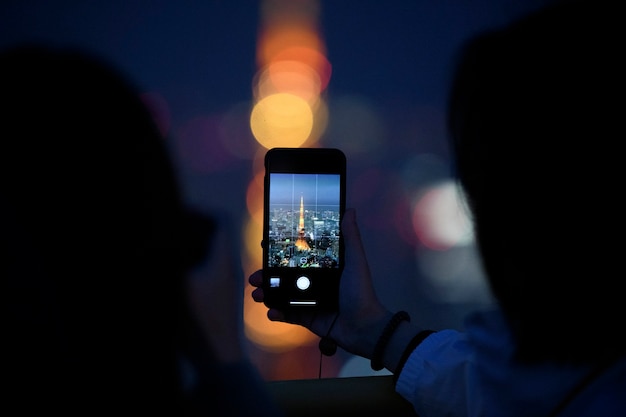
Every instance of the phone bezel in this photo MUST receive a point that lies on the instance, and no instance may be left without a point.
(323, 292)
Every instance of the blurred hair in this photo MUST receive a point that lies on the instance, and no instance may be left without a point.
(91, 214)
(533, 126)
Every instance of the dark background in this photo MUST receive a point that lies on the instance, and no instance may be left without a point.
(391, 66)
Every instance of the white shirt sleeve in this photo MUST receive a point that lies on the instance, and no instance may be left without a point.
(436, 375)
(474, 373)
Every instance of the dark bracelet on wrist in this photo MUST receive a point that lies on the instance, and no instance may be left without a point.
(413, 344)
(379, 349)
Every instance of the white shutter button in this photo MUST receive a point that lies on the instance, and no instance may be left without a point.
(303, 282)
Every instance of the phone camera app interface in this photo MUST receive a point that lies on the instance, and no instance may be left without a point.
(304, 220)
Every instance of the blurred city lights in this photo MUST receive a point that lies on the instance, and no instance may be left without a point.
(254, 199)
(293, 72)
(281, 120)
(272, 336)
(439, 218)
(288, 110)
(291, 77)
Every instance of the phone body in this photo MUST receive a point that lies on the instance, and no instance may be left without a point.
(303, 248)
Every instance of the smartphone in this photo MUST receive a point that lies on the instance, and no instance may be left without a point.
(303, 248)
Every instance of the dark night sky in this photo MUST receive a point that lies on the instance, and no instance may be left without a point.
(200, 54)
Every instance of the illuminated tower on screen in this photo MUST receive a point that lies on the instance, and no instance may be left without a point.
(301, 242)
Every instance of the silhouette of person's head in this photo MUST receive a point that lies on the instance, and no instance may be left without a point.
(534, 133)
(91, 217)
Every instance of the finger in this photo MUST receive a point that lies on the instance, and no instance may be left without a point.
(258, 295)
(275, 315)
(317, 322)
(256, 278)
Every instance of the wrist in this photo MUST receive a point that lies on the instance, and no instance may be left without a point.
(403, 338)
(361, 336)
(380, 348)
(398, 337)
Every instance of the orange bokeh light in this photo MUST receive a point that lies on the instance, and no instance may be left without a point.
(291, 77)
(269, 335)
(313, 58)
(276, 40)
(254, 197)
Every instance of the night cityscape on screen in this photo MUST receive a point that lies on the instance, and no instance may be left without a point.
(304, 220)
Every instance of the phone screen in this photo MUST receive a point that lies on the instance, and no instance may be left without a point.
(305, 221)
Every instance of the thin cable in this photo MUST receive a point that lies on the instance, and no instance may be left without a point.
(319, 375)
(327, 346)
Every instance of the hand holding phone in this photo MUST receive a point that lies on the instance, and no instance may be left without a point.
(303, 250)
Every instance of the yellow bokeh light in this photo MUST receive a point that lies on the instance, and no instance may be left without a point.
(281, 120)
(320, 124)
